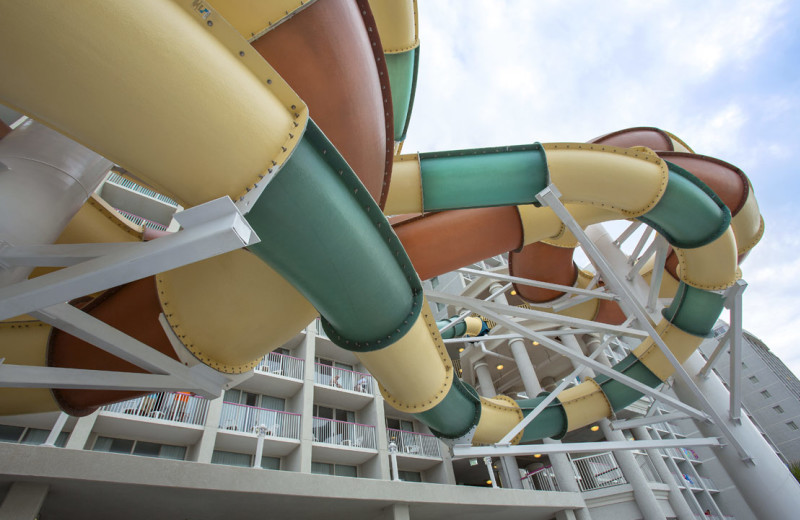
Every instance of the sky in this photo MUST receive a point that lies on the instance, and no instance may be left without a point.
(718, 74)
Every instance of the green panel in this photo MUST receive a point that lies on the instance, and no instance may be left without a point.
(402, 69)
(689, 214)
(694, 310)
(620, 395)
(483, 177)
(456, 414)
(322, 231)
(454, 332)
(552, 422)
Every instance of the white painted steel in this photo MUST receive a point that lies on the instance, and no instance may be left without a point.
(461, 451)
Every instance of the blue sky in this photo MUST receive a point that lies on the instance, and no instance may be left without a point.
(722, 75)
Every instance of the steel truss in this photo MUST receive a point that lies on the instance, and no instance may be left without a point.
(208, 230)
(638, 325)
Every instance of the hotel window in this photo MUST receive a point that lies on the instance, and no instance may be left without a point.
(340, 470)
(142, 448)
(792, 425)
(766, 394)
(410, 476)
(753, 379)
(778, 409)
(35, 436)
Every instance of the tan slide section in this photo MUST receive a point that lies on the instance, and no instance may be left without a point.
(25, 343)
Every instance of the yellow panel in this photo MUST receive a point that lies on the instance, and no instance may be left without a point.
(196, 122)
(253, 18)
(629, 181)
(678, 145)
(669, 285)
(230, 310)
(584, 404)
(95, 223)
(415, 373)
(585, 216)
(405, 190)
(680, 343)
(498, 416)
(538, 223)
(25, 343)
(397, 24)
(748, 226)
(711, 267)
(474, 326)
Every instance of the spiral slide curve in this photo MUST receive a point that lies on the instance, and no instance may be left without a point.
(227, 123)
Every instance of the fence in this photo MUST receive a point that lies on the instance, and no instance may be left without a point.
(646, 465)
(281, 364)
(598, 471)
(170, 406)
(243, 418)
(543, 479)
(331, 431)
(412, 443)
(342, 378)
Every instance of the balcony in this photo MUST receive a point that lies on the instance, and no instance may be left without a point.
(343, 442)
(238, 427)
(414, 444)
(165, 417)
(277, 375)
(342, 388)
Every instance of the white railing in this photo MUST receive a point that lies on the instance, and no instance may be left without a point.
(598, 471)
(282, 365)
(168, 406)
(330, 431)
(709, 484)
(412, 443)
(687, 481)
(342, 378)
(543, 479)
(113, 178)
(646, 465)
(243, 418)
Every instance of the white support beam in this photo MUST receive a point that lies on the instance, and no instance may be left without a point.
(209, 230)
(642, 241)
(596, 293)
(461, 451)
(733, 302)
(596, 365)
(24, 376)
(662, 247)
(57, 255)
(629, 231)
(644, 421)
(532, 314)
(722, 345)
(550, 197)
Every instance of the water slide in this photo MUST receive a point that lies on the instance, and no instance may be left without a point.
(294, 110)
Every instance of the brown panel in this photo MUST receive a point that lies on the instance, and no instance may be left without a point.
(727, 181)
(609, 312)
(653, 138)
(4, 129)
(331, 55)
(438, 243)
(133, 309)
(544, 263)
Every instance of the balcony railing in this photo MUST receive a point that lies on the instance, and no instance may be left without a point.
(342, 378)
(169, 406)
(646, 465)
(543, 479)
(598, 471)
(412, 443)
(283, 365)
(243, 418)
(330, 431)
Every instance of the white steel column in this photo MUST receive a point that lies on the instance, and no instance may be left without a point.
(571, 343)
(676, 499)
(562, 466)
(508, 463)
(23, 501)
(82, 431)
(766, 484)
(56, 431)
(644, 496)
(204, 449)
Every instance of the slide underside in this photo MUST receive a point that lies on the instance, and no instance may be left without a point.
(228, 112)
